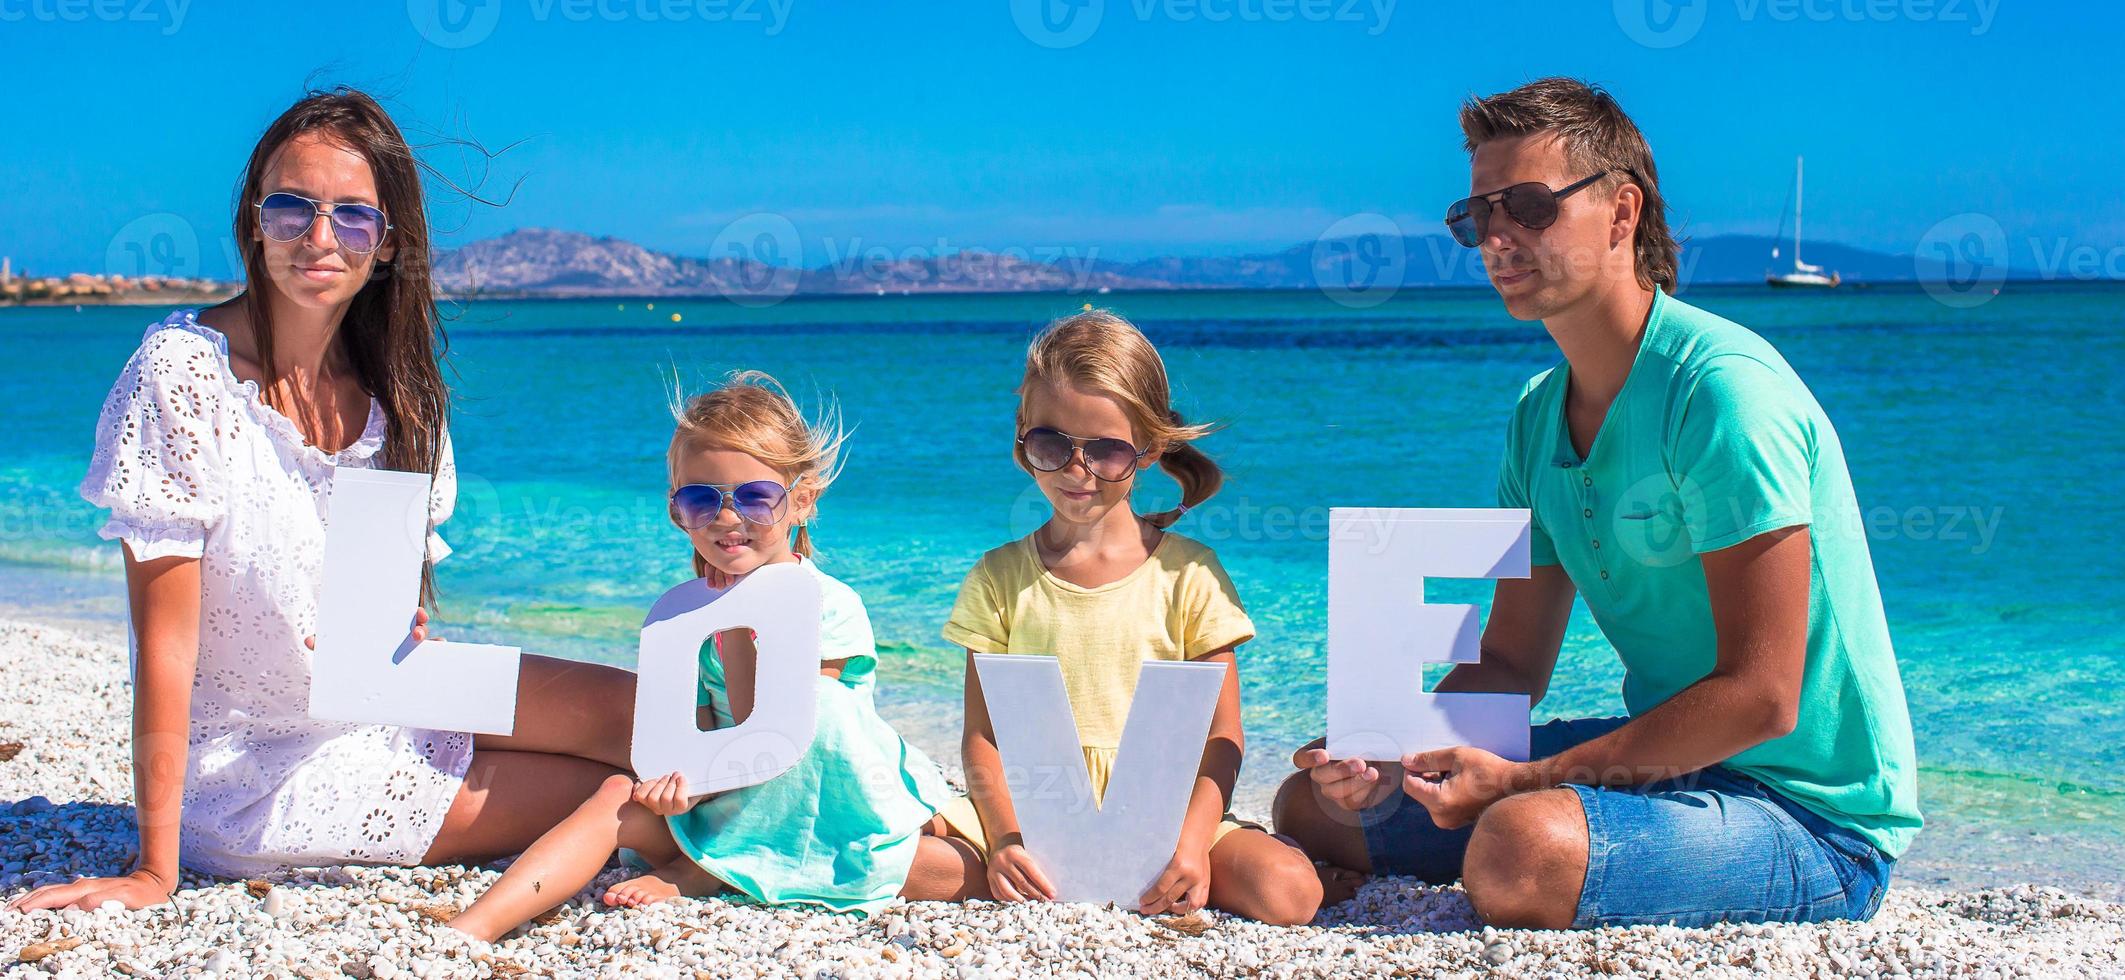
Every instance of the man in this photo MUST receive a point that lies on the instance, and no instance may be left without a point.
(1685, 484)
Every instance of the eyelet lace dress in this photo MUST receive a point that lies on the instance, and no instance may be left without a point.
(191, 461)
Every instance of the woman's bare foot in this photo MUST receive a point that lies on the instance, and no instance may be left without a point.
(680, 876)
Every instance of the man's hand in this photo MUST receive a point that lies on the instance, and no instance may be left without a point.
(1353, 784)
(1015, 877)
(1182, 888)
(1457, 784)
(137, 890)
(665, 795)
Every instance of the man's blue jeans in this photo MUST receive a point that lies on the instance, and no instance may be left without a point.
(1711, 846)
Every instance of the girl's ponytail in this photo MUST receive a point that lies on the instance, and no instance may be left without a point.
(1198, 475)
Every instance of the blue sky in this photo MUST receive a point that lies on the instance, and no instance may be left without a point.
(1127, 126)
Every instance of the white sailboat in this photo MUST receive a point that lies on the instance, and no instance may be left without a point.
(1802, 274)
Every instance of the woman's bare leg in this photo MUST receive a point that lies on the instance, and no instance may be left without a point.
(567, 857)
(569, 707)
(508, 800)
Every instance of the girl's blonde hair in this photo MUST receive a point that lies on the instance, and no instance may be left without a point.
(1099, 352)
(751, 413)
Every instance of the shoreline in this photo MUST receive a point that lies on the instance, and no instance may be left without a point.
(63, 812)
(210, 292)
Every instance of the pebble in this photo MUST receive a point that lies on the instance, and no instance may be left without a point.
(355, 921)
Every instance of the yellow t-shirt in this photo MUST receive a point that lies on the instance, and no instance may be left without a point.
(1178, 605)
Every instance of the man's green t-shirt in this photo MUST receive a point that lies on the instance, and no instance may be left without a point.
(1712, 441)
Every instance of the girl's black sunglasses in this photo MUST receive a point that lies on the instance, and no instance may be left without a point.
(1110, 460)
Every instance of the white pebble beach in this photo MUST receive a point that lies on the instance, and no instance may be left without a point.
(66, 786)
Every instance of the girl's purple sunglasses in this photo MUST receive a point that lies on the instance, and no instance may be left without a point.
(761, 502)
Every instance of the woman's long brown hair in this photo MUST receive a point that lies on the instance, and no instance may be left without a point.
(391, 333)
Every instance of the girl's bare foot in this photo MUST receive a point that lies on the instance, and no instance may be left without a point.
(1338, 885)
(680, 876)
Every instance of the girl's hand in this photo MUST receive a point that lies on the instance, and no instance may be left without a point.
(419, 632)
(1015, 877)
(665, 795)
(720, 579)
(1183, 887)
(137, 890)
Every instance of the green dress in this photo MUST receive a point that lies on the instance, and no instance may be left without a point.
(839, 830)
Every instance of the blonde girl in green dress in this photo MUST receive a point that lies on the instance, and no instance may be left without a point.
(853, 825)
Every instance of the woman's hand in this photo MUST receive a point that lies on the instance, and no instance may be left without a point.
(418, 634)
(1015, 877)
(665, 795)
(137, 890)
(1183, 887)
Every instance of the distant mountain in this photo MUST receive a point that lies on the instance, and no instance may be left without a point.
(545, 262)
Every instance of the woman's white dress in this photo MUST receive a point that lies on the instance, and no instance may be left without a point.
(191, 461)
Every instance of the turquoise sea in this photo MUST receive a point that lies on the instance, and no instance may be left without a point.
(1982, 442)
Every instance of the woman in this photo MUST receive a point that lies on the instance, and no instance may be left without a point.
(214, 454)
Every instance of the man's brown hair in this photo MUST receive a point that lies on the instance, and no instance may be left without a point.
(1596, 135)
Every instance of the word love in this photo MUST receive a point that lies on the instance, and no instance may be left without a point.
(1094, 848)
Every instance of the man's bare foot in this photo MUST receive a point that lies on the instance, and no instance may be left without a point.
(1338, 885)
(675, 878)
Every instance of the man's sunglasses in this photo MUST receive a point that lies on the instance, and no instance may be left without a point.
(1111, 460)
(697, 505)
(285, 217)
(1532, 206)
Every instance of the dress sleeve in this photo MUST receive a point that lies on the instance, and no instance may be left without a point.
(1216, 619)
(977, 621)
(158, 462)
(845, 634)
(442, 498)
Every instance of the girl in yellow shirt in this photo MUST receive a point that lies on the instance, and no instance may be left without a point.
(1102, 589)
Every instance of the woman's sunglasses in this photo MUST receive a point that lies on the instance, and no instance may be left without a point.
(1111, 460)
(697, 505)
(285, 217)
(1531, 205)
